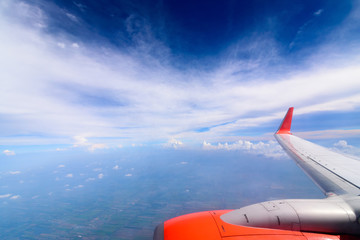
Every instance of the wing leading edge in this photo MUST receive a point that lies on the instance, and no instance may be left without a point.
(332, 172)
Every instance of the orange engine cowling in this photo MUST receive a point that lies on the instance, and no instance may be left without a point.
(191, 226)
(209, 226)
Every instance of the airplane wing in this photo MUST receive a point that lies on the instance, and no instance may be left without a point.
(336, 217)
(332, 172)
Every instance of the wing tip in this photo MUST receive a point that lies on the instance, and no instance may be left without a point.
(285, 125)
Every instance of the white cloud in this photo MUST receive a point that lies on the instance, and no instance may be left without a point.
(116, 167)
(81, 141)
(5, 195)
(15, 197)
(269, 149)
(90, 179)
(69, 175)
(342, 144)
(100, 176)
(173, 143)
(14, 172)
(128, 175)
(9, 153)
(343, 147)
(61, 166)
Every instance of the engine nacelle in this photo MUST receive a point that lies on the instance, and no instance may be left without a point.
(331, 215)
(209, 226)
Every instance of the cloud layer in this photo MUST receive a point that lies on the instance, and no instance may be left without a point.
(56, 87)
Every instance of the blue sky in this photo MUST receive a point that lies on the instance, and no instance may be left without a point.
(111, 74)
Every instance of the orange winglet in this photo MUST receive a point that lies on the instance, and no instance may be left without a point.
(286, 123)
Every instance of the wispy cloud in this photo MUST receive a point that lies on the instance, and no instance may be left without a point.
(5, 195)
(103, 93)
(318, 12)
(328, 134)
(15, 197)
(61, 149)
(100, 175)
(14, 172)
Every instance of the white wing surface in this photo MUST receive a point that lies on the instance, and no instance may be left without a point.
(332, 172)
